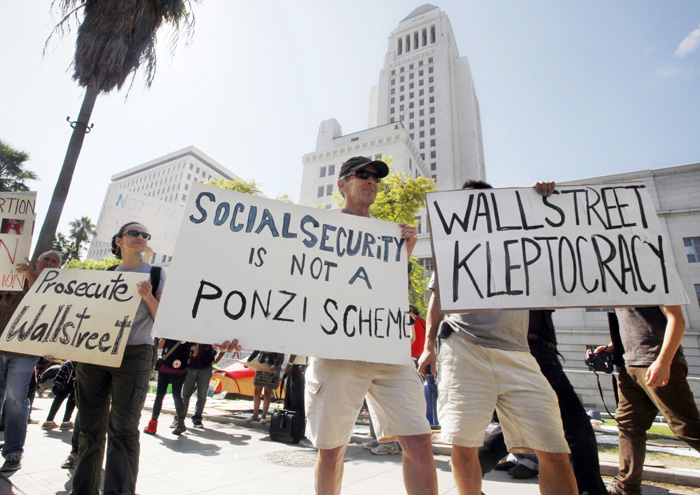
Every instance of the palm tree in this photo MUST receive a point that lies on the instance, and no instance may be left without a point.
(12, 171)
(81, 230)
(115, 38)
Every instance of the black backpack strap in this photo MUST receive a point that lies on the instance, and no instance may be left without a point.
(155, 279)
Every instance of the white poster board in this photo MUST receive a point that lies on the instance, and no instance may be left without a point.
(160, 218)
(287, 278)
(584, 246)
(83, 315)
(17, 214)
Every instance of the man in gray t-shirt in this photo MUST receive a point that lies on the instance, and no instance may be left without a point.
(485, 365)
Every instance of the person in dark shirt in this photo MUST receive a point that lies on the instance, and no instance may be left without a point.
(198, 375)
(653, 380)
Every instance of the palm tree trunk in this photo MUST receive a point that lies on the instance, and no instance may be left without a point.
(53, 215)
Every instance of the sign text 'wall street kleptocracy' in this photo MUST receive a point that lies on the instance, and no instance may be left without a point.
(591, 246)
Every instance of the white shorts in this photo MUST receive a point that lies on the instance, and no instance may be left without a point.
(336, 389)
(477, 379)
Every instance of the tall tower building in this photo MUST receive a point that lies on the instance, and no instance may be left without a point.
(427, 87)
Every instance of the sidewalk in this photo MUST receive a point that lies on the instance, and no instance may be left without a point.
(231, 456)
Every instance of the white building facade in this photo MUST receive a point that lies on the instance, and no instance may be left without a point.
(168, 178)
(674, 191)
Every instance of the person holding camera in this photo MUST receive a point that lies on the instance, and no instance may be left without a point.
(653, 380)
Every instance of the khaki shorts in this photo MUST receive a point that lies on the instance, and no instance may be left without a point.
(477, 379)
(336, 389)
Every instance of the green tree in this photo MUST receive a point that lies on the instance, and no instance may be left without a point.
(63, 245)
(12, 171)
(284, 197)
(114, 40)
(241, 185)
(92, 264)
(81, 230)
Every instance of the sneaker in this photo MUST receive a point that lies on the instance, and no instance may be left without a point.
(263, 421)
(197, 423)
(174, 423)
(66, 425)
(31, 421)
(370, 444)
(49, 425)
(151, 428)
(522, 472)
(386, 449)
(250, 419)
(179, 429)
(13, 462)
(504, 466)
(70, 461)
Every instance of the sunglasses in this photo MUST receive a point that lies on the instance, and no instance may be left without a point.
(135, 233)
(364, 175)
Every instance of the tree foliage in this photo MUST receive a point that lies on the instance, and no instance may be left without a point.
(241, 185)
(12, 171)
(81, 230)
(92, 264)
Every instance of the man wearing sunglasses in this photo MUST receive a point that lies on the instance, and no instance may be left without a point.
(335, 388)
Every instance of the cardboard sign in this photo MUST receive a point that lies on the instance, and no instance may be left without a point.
(160, 218)
(83, 315)
(584, 246)
(17, 216)
(287, 278)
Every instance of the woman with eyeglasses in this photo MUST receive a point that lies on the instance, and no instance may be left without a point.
(126, 385)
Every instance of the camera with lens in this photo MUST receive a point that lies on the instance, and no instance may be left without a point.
(603, 361)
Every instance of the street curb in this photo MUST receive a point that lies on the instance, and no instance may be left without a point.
(672, 476)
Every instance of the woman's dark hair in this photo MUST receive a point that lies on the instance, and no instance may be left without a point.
(414, 310)
(116, 250)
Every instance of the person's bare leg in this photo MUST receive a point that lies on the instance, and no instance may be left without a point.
(257, 393)
(329, 470)
(419, 475)
(556, 474)
(466, 470)
(267, 398)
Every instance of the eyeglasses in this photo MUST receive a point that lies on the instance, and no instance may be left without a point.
(135, 233)
(364, 175)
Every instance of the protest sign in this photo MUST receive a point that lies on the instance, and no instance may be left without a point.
(16, 225)
(160, 218)
(287, 278)
(584, 246)
(83, 315)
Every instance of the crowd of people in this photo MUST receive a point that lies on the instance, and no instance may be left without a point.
(501, 362)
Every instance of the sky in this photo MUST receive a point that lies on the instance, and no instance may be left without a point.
(567, 90)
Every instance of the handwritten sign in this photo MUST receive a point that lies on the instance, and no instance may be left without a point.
(160, 218)
(84, 315)
(596, 246)
(17, 214)
(287, 278)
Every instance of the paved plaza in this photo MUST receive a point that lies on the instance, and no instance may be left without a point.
(229, 456)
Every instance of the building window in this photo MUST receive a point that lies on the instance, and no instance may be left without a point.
(432, 131)
(187, 186)
(433, 166)
(432, 38)
(433, 154)
(329, 189)
(401, 108)
(411, 136)
(430, 70)
(422, 156)
(420, 72)
(432, 99)
(393, 81)
(191, 166)
(184, 197)
(401, 69)
(393, 91)
(422, 134)
(354, 139)
(431, 89)
(434, 177)
(425, 37)
(393, 100)
(402, 79)
(393, 72)
(422, 112)
(430, 60)
(402, 98)
(421, 82)
(692, 249)
(320, 192)
(189, 176)
(418, 225)
(410, 66)
(411, 85)
(410, 126)
(410, 95)
(432, 120)
(391, 120)
(322, 172)
(410, 115)
(392, 110)
(697, 292)
(422, 145)
(401, 88)
(421, 101)
(400, 51)
(427, 264)
(410, 76)
(432, 142)
(331, 170)
(431, 79)
(421, 123)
